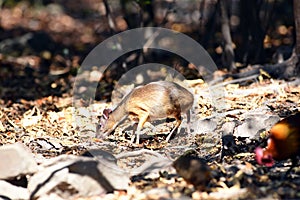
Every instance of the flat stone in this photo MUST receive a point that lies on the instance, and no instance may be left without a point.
(228, 128)
(10, 191)
(204, 126)
(256, 122)
(16, 160)
(228, 142)
(70, 176)
(64, 184)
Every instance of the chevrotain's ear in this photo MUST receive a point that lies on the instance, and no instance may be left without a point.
(106, 112)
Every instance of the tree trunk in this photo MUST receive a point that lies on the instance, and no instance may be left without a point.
(288, 69)
(297, 25)
(297, 30)
(253, 33)
(228, 54)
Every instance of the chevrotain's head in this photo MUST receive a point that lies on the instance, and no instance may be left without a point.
(106, 123)
(263, 157)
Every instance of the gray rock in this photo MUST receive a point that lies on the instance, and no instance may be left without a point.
(255, 122)
(228, 128)
(228, 142)
(16, 160)
(64, 184)
(204, 126)
(158, 193)
(207, 135)
(71, 176)
(13, 192)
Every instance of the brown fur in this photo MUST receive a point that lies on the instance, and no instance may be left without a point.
(156, 100)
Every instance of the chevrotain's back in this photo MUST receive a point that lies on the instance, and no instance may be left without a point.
(160, 99)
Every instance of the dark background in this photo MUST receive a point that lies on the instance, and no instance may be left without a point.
(42, 43)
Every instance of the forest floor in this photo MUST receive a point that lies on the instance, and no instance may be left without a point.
(47, 127)
(37, 110)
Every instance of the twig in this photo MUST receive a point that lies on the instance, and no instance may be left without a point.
(151, 165)
(233, 81)
(12, 123)
(155, 163)
(138, 153)
(150, 41)
(111, 22)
